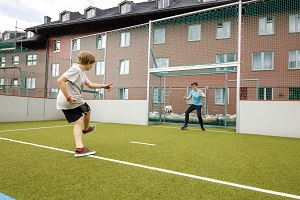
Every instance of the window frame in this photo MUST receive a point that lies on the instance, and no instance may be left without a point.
(223, 32)
(123, 93)
(125, 39)
(297, 59)
(294, 28)
(56, 46)
(263, 26)
(75, 43)
(32, 61)
(15, 61)
(161, 37)
(100, 68)
(54, 69)
(262, 61)
(219, 98)
(32, 83)
(2, 61)
(264, 95)
(193, 33)
(101, 41)
(161, 63)
(124, 67)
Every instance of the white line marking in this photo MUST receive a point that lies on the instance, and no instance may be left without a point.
(142, 143)
(166, 171)
(27, 129)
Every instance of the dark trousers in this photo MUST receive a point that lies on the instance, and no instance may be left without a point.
(189, 110)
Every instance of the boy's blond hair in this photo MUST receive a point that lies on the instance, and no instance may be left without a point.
(85, 58)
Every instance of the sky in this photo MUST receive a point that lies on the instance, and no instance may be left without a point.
(27, 13)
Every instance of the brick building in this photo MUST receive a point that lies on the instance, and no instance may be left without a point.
(119, 38)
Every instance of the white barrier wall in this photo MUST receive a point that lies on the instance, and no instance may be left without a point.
(119, 111)
(34, 109)
(28, 109)
(275, 118)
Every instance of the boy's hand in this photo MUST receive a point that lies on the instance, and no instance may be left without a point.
(109, 86)
(73, 101)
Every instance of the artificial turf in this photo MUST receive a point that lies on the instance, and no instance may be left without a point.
(31, 172)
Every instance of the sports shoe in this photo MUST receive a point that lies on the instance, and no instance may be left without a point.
(184, 127)
(90, 129)
(85, 152)
(202, 128)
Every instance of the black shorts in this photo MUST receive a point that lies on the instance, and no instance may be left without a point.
(74, 114)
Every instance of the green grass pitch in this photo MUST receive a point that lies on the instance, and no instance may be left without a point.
(146, 162)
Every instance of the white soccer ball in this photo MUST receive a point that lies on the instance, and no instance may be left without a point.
(168, 109)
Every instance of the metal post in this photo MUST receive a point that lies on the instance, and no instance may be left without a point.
(238, 71)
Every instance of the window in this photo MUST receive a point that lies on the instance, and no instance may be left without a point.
(15, 60)
(14, 82)
(161, 63)
(125, 8)
(56, 46)
(101, 41)
(1, 83)
(158, 95)
(265, 93)
(30, 34)
(159, 36)
(163, 3)
(7, 36)
(294, 59)
(224, 58)
(125, 39)
(294, 23)
(53, 92)
(223, 30)
(31, 60)
(55, 70)
(263, 61)
(30, 83)
(294, 93)
(220, 96)
(194, 32)
(65, 17)
(123, 93)
(243, 93)
(2, 62)
(75, 44)
(90, 13)
(100, 68)
(100, 94)
(124, 67)
(266, 26)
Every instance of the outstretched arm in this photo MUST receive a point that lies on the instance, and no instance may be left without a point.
(96, 85)
(186, 98)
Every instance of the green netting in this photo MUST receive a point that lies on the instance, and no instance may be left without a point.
(212, 15)
(271, 6)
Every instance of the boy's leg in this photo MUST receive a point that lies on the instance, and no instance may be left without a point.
(200, 117)
(86, 120)
(187, 117)
(77, 131)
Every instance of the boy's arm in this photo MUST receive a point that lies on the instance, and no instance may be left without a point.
(61, 81)
(96, 85)
(202, 94)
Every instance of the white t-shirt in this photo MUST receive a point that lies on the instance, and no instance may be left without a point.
(76, 81)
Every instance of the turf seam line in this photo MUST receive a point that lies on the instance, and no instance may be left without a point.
(167, 171)
(38, 128)
(142, 143)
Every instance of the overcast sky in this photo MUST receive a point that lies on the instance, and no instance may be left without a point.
(29, 13)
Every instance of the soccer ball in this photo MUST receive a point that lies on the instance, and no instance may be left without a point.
(168, 109)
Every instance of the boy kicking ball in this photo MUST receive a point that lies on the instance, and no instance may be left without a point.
(71, 102)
